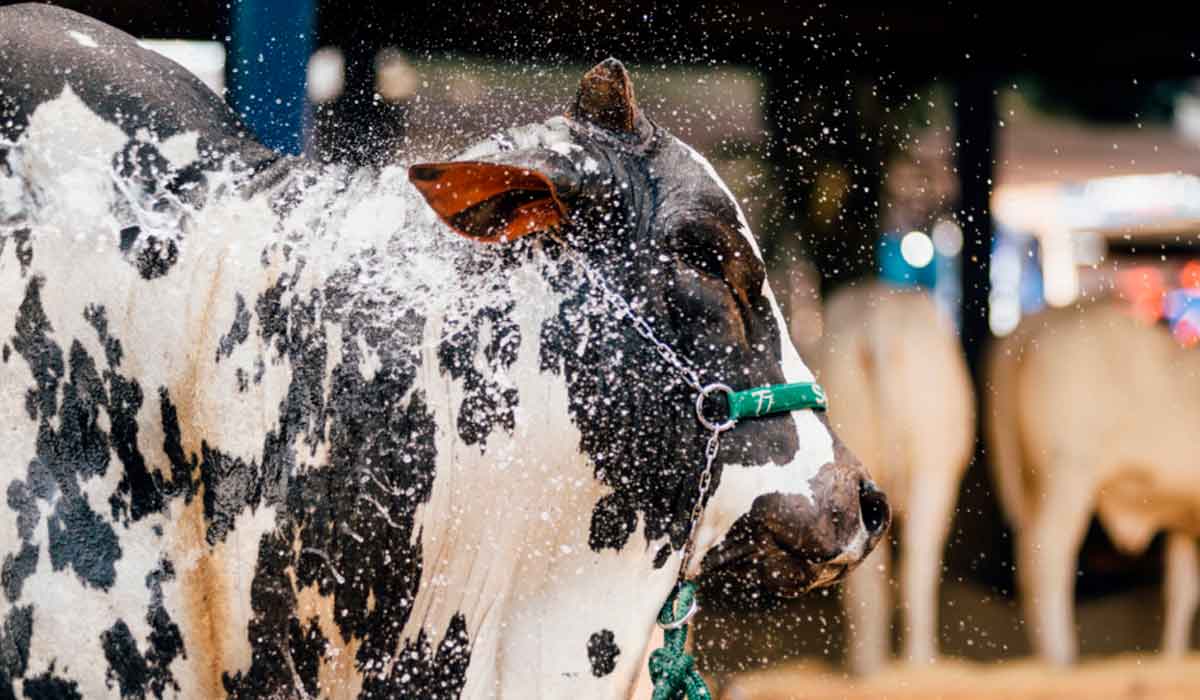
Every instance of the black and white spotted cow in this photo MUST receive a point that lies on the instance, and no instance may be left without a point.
(271, 430)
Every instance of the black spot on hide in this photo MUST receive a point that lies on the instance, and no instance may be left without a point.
(422, 672)
(142, 676)
(602, 651)
(238, 333)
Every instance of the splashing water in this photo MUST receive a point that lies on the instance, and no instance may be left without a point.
(369, 227)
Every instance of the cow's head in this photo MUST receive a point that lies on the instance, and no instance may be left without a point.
(790, 508)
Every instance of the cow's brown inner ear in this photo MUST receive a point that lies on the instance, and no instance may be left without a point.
(489, 202)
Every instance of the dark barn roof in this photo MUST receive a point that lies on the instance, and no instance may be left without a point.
(944, 39)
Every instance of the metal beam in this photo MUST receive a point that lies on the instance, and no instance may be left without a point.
(975, 526)
(267, 68)
(976, 165)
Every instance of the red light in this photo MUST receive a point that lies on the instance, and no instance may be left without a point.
(1145, 289)
(1189, 276)
(1186, 333)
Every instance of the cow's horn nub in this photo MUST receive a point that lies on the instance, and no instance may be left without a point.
(605, 99)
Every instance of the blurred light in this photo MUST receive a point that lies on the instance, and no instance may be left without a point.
(204, 59)
(1004, 313)
(1060, 276)
(1189, 276)
(1006, 270)
(1145, 289)
(1133, 200)
(1179, 302)
(1187, 117)
(1090, 248)
(917, 249)
(1187, 331)
(1004, 303)
(947, 238)
(1105, 203)
(326, 74)
(1182, 309)
(396, 79)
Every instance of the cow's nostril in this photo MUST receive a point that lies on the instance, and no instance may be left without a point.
(874, 506)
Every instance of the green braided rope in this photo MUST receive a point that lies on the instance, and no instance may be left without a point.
(672, 669)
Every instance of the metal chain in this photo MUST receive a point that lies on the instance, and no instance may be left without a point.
(710, 456)
(641, 325)
(690, 374)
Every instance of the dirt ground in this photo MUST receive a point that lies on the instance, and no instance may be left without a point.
(796, 652)
(1127, 677)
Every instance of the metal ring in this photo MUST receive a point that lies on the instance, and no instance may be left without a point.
(704, 393)
(692, 610)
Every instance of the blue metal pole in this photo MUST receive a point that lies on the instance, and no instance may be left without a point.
(270, 44)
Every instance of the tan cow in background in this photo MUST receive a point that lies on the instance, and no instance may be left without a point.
(1094, 412)
(900, 397)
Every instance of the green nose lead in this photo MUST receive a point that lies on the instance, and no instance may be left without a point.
(779, 398)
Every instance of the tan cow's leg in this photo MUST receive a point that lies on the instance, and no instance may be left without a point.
(869, 611)
(1047, 552)
(1181, 593)
(930, 501)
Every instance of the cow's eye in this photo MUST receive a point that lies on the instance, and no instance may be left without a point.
(699, 252)
(709, 262)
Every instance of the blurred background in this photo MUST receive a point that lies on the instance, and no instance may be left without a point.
(1003, 156)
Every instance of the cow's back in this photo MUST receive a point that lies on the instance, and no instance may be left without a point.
(1091, 395)
(44, 49)
(128, 542)
(899, 391)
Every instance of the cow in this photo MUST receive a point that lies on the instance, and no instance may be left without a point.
(905, 406)
(276, 428)
(1091, 411)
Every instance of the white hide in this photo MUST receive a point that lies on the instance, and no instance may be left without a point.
(1091, 412)
(902, 402)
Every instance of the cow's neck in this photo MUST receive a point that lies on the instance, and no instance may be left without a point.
(503, 536)
(505, 532)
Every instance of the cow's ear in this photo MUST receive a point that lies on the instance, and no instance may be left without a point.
(490, 202)
(605, 99)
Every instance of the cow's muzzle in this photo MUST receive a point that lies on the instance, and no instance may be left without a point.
(788, 544)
